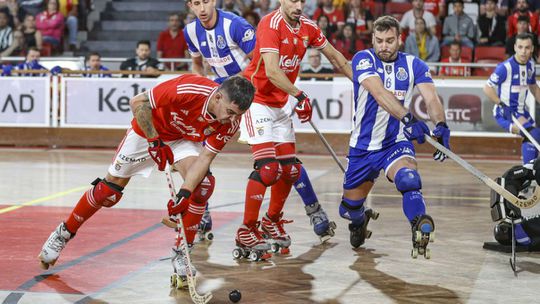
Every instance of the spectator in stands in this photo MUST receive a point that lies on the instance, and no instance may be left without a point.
(30, 7)
(523, 26)
(322, 23)
(228, 6)
(501, 7)
(522, 9)
(12, 9)
(347, 43)
(69, 9)
(31, 63)
(436, 7)
(252, 18)
(422, 43)
(362, 18)
(6, 32)
(455, 57)
(190, 16)
(459, 27)
(309, 8)
(142, 62)
(263, 8)
(171, 42)
(409, 18)
(336, 17)
(17, 47)
(491, 26)
(93, 63)
(51, 24)
(316, 67)
(32, 36)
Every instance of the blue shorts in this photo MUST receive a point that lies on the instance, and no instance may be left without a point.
(365, 165)
(504, 123)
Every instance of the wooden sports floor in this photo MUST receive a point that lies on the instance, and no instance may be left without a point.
(121, 254)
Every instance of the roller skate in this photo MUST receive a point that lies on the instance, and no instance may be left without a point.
(204, 232)
(50, 252)
(423, 233)
(250, 244)
(279, 239)
(359, 233)
(318, 218)
(179, 263)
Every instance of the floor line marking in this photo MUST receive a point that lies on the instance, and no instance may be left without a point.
(42, 199)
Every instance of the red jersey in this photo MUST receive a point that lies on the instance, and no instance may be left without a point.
(512, 23)
(180, 111)
(454, 70)
(274, 35)
(335, 17)
(433, 6)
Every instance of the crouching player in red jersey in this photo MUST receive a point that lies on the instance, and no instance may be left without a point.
(185, 122)
(283, 38)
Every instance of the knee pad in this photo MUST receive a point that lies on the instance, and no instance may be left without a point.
(407, 179)
(267, 171)
(105, 193)
(503, 233)
(352, 210)
(204, 190)
(290, 170)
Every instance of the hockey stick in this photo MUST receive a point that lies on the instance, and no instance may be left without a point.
(520, 203)
(527, 134)
(181, 245)
(512, 259)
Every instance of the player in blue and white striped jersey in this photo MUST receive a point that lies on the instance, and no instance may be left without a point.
(509, 86)
(223, 39)
(383, 128)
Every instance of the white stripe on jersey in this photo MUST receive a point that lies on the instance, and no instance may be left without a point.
(209, 88)
(151, 98)
(506, 84)
(236, 52)
(523, 88)
(274, 22)
(192, 32)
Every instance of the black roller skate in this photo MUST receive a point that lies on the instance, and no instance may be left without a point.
(204, 232)
(278, 238)
(423, 232)
(321, 225)
(250, 244)
(359, 233)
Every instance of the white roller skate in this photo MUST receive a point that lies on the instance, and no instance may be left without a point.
(250, 244)
(204, 232)
(359, 233)
(179, 263)
(275, 233)
(319, 220)
(50, 252)
(423, 233)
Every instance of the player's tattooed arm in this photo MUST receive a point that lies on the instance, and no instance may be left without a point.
(337, 59)
(142, 111)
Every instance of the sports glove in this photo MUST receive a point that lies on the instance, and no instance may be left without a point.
(442, 133)
(6, 70)
(506, 111)
(34, 65)
(160, 152)
(414, 129)
(179, 204)
(303, 109)
(56, 70)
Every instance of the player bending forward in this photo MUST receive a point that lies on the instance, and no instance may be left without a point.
(283, 37)
(383, 128)
(185, 122)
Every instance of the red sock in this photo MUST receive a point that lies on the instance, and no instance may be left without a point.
(82, 211)
(279, 193)
(254, 196)
(191, 219)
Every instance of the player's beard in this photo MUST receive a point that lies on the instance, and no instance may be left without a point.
(387, 56)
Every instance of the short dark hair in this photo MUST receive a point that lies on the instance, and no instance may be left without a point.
(457, 1)
(525, 36)
(94, 53)
(32, 48)
(147, 42)
(384, 23)
(455, 42)
(523, 18)
(239, 90)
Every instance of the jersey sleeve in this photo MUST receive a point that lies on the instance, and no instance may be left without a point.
(498, 76)
(421, 72)
(363, 64)
(531, 77)
(244, 35)
(268, 38)
(164, 93)
(193, 51)
(317, 38)
(217, 140)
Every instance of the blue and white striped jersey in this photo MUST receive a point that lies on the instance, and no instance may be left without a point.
(512, 81)
(225, 46)
(373, 127)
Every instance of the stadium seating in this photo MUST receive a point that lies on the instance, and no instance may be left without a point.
(397, 9)
(487, 54)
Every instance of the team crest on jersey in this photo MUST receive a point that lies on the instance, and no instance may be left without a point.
(221, 42)
(208, 130)
(364, 64)
(494, 77)
(305, 39)
(248, 35)
(295, 41)
(200, 119)
(260, 130)
(401, 74)
(388, 69)
(529, 73)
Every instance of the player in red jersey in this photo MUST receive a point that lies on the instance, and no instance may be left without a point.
(283, 38)
(185, 122)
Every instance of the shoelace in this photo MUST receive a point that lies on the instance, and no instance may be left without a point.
(58, 243)
(279, 226)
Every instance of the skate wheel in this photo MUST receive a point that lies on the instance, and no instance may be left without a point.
(417, 236)
(368, 234)
(325, 238)
(285, 250)
(237, 253)
(421, 250)
(254, 256)
(180, 282)
(332, 225)
(43, 265)
(173, 281)
(427, 254)
(209, 236)
(414, 253)
(331, 232)
(274, 248)
(431, 237)
(374, 215)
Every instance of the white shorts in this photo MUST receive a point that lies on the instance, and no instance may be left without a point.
(132, 156)
(262, 124)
